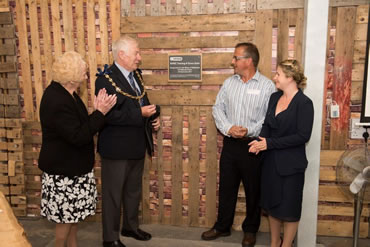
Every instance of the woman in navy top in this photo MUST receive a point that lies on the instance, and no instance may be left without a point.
(285, 132)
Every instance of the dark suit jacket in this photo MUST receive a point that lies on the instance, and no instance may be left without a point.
(127, 134)
(67, 133)
(286, 139)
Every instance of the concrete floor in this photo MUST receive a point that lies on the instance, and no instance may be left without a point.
(40, 233)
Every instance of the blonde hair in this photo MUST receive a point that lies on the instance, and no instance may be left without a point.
(122, 44)
(67, 68)
(292, 68)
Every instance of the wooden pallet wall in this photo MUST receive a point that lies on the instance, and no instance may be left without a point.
(12, 179)
(180, 183)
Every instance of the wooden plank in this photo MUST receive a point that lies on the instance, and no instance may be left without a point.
(183, 97)
(6, 18)
(203, 6)
(251, 6)
(7, 67)
(7, 32)
(342, 75)
(103, 25)
(219, 60)
(360, 31)
(207, 79)
(359, 51)
(298, 35)
(340, 228)
(35, 44)
(362, 15)
(186, 7)
(24, 59)
(125, 7)
(160, 170)
(9, 83)
(145, 203)
(356, 92)
(153, 24)
(68, 25)
(263, 40)
(170, 7)
(341, 210)
(176, 202)
(45, 19)
(7, 49)
(57, 39)
(91, 41)
(155, 6)
(218, 7)
(339, 3)
(80, 34)
(234, 6)
(140, 7)
(283, 35)
(279, 4)
(195, 42)
(194, 141)
(211, 172)
(338, 193)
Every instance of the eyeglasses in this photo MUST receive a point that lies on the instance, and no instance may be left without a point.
(239, 57)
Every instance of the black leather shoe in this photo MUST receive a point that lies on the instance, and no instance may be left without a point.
(138, 234)
(213, 234)
(249, 239)
(116, 243)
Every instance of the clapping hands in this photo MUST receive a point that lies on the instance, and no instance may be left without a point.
(104, 102)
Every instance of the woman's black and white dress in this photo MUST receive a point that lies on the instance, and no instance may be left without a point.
(67, 156)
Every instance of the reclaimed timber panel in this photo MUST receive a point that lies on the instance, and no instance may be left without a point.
(7, 49)
(183, 97)
(177, 141)
(57, 39)
(359, 51)
(220, 60)
(160, 171)
(170, 7)
(103, 26)
(91, 41)
(145, 203)
(45, 20)
(217, 7)
(7, 32)
(211, 168)
(356, 92)
(68, 25)
(283, 35)
(264, 40)
(284, 4)
(341, 210)
(342, 75)
(193, 187)
(298, 35)
(340, 228)
(362, 15)
(341, 3)
(207, 79)
(360, 31)
(155, 6)
(234, 6)
(81, 45)
(140, 7)
(152, 24)
(35, 47)
(7, 67)
(5, 18)
(24, 59)
(195, 42)
(336, 193)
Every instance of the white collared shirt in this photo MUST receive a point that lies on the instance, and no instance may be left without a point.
(243, 103)
(125, 74)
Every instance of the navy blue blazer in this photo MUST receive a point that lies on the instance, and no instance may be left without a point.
(126, 133)
(286, 139)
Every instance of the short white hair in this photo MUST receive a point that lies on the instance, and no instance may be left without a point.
(122, 44)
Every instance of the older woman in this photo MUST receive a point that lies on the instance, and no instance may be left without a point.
(67, 152)
(287, 128)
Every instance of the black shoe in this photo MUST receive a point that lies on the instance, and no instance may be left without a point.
(116, 243)
(214, 234)
(138, 234)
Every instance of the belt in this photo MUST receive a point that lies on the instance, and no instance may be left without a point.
(243, 139)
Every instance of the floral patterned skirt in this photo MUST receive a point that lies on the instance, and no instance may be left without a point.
(68, 199)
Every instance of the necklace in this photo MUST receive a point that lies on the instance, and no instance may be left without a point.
(118, 90)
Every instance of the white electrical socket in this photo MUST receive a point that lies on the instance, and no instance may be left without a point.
(356, 131)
